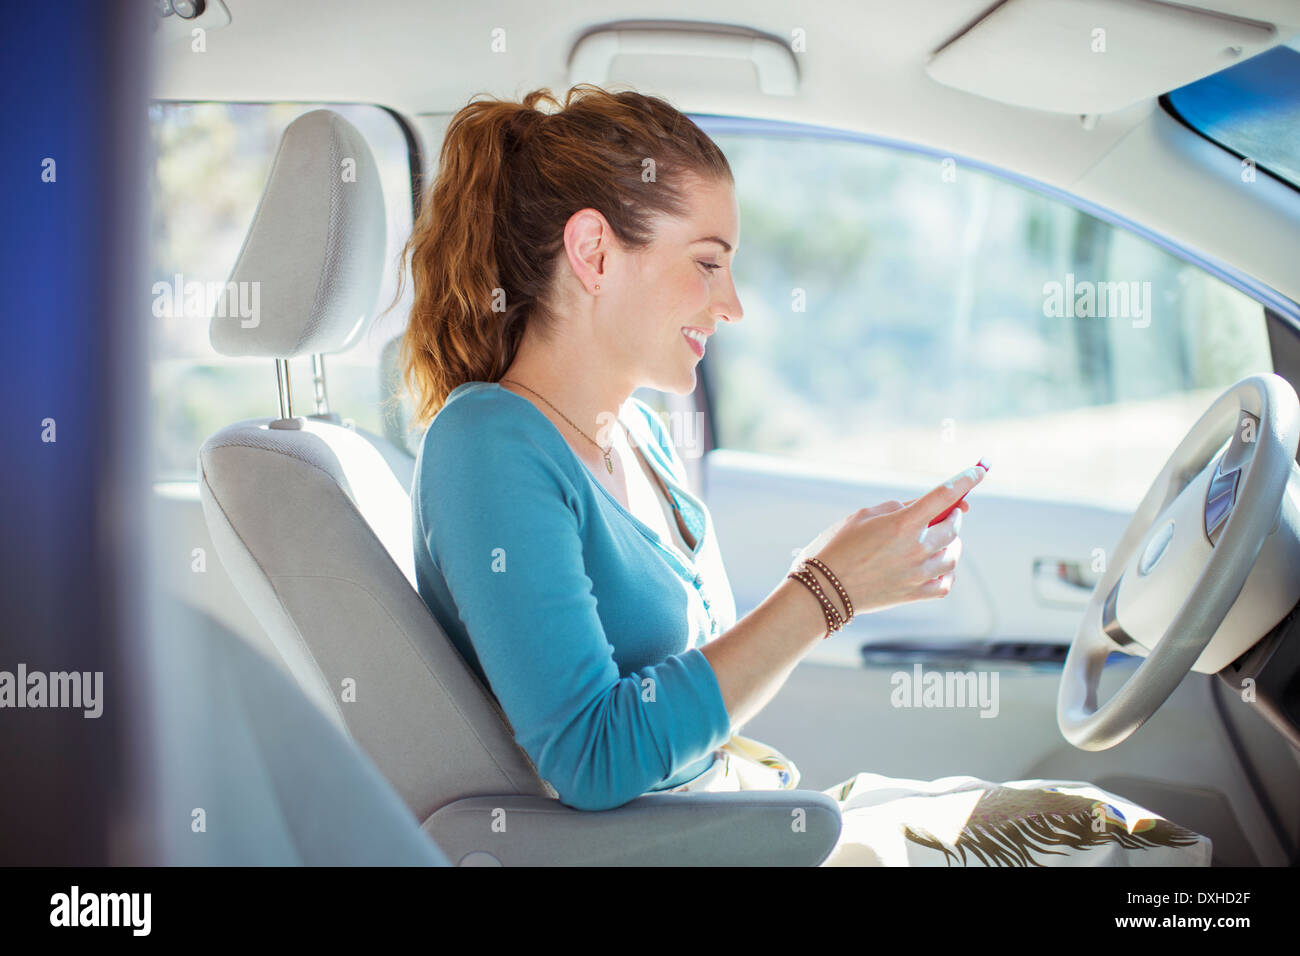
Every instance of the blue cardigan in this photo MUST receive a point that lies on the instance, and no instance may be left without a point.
(581, 620)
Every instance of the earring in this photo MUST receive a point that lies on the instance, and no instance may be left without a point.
(597, 288)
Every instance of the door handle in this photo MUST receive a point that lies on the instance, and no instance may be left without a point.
(1061, 583)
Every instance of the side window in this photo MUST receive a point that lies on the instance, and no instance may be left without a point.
(210, 164)
(905, 315)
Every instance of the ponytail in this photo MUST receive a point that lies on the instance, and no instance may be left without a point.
(487, 241)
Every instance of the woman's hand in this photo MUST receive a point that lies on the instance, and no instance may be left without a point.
(884, 556)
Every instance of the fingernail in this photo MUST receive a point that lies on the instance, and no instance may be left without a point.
(973, 473)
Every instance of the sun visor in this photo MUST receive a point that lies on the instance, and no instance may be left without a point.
(1092, 56)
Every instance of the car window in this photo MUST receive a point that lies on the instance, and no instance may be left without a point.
(210, 163)
(906, 314)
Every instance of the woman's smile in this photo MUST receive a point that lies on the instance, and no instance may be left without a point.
(695, 338)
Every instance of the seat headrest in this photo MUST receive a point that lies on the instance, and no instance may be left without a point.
(308, 275)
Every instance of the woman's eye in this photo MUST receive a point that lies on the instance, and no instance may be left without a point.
(711, 266)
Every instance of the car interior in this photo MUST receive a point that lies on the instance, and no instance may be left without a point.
(1061, 234)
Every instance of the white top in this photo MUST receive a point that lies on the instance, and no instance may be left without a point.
(678, 540)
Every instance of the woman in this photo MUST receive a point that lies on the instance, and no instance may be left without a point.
(562, 260)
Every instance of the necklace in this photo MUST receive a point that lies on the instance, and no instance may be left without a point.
(609, 464)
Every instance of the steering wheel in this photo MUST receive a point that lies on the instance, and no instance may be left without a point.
(1209, 511)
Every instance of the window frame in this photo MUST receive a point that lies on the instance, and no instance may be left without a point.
(415, 154)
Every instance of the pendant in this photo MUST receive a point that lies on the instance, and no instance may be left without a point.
(609, 465)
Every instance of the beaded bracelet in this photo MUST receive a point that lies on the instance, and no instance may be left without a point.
(828, 609)
(835, 583)
(833, 619)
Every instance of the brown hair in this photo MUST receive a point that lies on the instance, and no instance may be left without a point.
(487, 241)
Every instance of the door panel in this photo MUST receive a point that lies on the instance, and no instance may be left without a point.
(765, 508)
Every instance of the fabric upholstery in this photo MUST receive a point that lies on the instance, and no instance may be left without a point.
(318, 543)
(315, 250)
(249, 772)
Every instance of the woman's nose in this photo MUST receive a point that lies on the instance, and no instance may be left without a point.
(730, 309)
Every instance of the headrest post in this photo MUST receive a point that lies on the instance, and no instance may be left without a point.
(282, 380)
(318, 383)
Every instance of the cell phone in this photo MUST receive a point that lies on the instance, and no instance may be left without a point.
(978, 464)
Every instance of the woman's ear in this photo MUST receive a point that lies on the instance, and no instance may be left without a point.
(587, 241)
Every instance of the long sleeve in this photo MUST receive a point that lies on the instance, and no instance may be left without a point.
(502, 524)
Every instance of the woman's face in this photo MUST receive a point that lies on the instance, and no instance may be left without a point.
(668, 299)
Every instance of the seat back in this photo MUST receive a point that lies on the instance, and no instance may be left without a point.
(308, 516)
